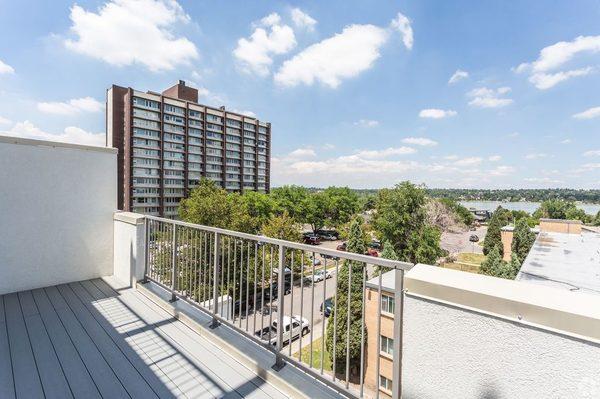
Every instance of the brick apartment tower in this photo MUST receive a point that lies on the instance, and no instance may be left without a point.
(167, 142)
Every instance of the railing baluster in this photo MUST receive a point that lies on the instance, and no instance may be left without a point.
(228, 276)
(301, 302)
(312, 308)
(323, 316)
(292, 304)
(337, 274)
(271, 294)
(262, 298)
(279, 362)
(255, 281)
(215, 321)
(174, 263)
(247, 283)
(378, 348)
(234, 277)
(348, 325)
(362, 332)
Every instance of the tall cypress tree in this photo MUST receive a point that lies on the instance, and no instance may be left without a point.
(353, 294)
(523, 239)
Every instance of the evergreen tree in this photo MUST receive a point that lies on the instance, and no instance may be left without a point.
(493, 264)
(387, 253)
(514, 266)
(352, 292)
(597, 219)
(523, 239)
(493, 237)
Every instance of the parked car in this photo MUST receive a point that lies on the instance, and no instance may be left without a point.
(372, 252)
(320, 276)
(328, 234)
(341, 247)
(287, 288)
(474, 238)
(375, 244)
(325, 256)
(312, 240)
(292, 328)
(328, 307)
(315, 261)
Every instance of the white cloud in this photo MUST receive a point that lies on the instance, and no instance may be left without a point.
(502, 170)
(302, 153)
(385, 153)
(71, 134)
(342, 56)
(458, 75)
(494, 158)
(566, 141)
(71, 107)
(5, 68)
(271, 38)
(588, 113)
(206, 95)
(328, 146)
(592, 153)
(451, 157)
(402, 24)
(545, 81)
(556, 56)
(513, 135)
(469, 161)
(537, 155)
(483, 97)
(422, 141)
(366, 123)
(126, 32)
(434, 113)
(244, 112)
(303, 20)
(5, 121)
(589, 167)
(543, 180)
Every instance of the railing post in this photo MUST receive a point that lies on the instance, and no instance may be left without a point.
(398, 325)
(279, 361)
(215, 321)
(174, 264)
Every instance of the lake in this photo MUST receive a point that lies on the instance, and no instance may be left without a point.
(526, 206)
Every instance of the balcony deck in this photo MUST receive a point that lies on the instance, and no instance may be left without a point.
(91, 339)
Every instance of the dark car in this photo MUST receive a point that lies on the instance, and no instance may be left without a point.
(325, 256)
(328, 234)
(312, 240)
(341, 247)
(328, 307)
(474, 238)
(376, 245)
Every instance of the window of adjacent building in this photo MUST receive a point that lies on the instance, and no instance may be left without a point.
(142, 102)
(387, 345)
(173, 119)
(195, 132)
(249, 126)
(195, 114)
(146, 123)
(233, 122)
(387, 304)
(140, 113)
(214, 118)
(385, 383)
(174, 110)
(173, 128)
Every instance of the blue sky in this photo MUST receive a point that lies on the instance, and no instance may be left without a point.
(358, 93)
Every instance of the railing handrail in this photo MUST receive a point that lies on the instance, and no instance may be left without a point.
(392, 264)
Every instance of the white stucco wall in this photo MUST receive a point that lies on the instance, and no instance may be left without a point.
(129, 239)
(458, 351)
(56, 213)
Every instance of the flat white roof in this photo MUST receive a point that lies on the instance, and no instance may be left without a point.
(568, 261)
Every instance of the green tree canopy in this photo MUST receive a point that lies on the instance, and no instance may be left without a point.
(597, 219)
(208, 205)
(560, 209)
(493, 237)
(400, 219)
(290, 199)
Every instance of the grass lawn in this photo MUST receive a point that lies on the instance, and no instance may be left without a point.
(316, 355)
(471, 258)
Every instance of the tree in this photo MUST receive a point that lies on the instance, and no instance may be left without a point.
(282, 227)
(400, 219)
(255, 210)
(493, 237)
(342, 204)
(315, 210)
(493, 263)
(514, 266)
(387, 253)
(290, 199)
(463, 214)
(597, 219)
(349, 288)
(207, 205)
(522, 241)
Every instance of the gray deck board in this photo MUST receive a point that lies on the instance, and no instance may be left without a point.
(7, 386)
(153, 381)
(26, 379)
(77, 375)
(50, 371)
(234, 375)
(92, 339)
(106, 381)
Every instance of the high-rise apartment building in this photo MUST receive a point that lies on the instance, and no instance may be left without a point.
(167, 142)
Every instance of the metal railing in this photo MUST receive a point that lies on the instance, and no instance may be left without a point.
(256, 285)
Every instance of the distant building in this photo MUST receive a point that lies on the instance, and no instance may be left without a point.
(566, 254)
(167, 142)
(383, 354)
